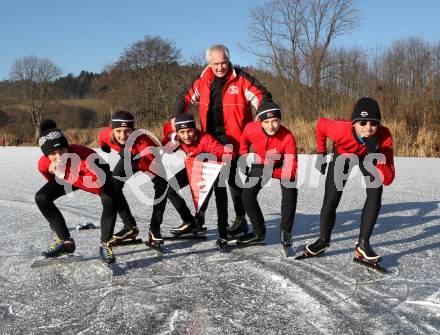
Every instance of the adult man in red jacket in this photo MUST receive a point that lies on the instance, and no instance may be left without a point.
(363, 141)
(225, 96)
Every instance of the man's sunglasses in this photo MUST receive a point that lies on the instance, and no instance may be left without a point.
(372, 123)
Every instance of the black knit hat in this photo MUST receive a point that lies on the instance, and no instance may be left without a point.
(122, 119)
(51, 138)
(366, 109)
(184, 121)
(267, 110)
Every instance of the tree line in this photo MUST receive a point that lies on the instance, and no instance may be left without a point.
(298, 62)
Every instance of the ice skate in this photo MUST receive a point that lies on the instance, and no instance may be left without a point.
(251, 239)
(314, 249)
(365, 255)
(239, 226)
(221, 244)
(155, 240)
(364, 252)
(106, 253)
(59, 247)
(186, 228)
(127, 235)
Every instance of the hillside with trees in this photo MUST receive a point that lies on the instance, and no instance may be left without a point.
(307, 75)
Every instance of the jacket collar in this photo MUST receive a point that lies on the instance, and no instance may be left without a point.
(356, 136)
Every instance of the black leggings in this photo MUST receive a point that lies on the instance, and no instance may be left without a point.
(289, 196)
(51, 191)
(332, 196)
(235, 191)
(160, 187)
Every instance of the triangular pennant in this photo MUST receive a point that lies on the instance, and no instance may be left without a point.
(201, 177)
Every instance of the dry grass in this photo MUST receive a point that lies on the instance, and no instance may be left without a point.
(426, 143)
(304, 132)
(89, 136)
(423, 143)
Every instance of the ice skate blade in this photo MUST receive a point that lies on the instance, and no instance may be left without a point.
(373, 266)
(201, 231)
(189, 236)
(126, 242)
(305, 255)
(154, 246)
(235, 236)
(245, 245)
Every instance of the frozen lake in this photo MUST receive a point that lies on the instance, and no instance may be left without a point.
(194, 289)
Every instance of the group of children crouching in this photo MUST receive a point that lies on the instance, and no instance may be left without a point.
(69, 167)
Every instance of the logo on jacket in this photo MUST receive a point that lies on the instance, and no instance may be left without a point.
(233, 90)
(364, 114)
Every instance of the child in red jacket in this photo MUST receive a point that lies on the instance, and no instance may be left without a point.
(116, 138)
(275, 148)
(364, 142)
(193, 142)
(81, 168)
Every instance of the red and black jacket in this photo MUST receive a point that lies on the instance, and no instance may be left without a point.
(205, 143)
(265, 146)
(239, 92)
(86, 175)
(345, 142)
(141, 145)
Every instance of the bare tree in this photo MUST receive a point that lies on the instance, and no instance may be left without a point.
(293, 37)
(32, 76)
(145, 71)
(197, 58)
(151, 51)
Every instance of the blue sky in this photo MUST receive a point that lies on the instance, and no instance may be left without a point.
(87, 35)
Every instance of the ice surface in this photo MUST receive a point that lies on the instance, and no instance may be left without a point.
(193, 289)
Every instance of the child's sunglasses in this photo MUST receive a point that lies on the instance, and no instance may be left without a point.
(372, 123)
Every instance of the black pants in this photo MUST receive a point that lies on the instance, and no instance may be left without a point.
(235, 191)
(221, 201)
(161, 193)
(123, 208)
(51, 191)
(289, 196)
(332, 196)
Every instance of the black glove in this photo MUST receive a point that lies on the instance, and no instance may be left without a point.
(106, 148)
(372, 144)
(321, 162)
(256, 170)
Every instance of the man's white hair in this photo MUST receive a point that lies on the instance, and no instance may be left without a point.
(216, 47)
